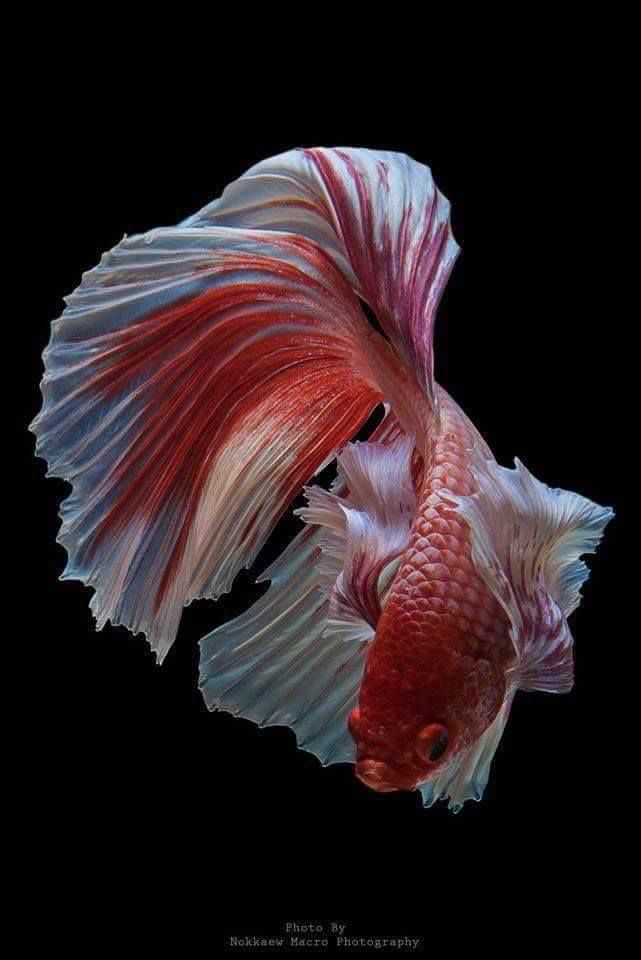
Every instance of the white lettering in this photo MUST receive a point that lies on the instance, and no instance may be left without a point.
(308, 942)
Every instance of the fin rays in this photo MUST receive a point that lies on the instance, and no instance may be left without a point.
(527, 539)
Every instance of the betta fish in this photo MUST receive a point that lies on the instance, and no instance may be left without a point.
(202, 375)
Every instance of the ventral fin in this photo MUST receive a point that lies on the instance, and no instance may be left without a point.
(275, 665)
(527, 540)
(467, 778)
(367, 530)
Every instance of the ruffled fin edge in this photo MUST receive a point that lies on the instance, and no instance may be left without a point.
(280, 663)
(527, 541)
(366, 532)
(467, 779)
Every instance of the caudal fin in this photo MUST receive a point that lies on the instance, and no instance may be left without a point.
(200, 375)
(381, 218)
(197, 379)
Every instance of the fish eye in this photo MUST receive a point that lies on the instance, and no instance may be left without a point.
(432, 742)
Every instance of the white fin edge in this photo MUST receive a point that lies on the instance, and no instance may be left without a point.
(467, 778)
(273, 665)
(366, 532)
(527, 539)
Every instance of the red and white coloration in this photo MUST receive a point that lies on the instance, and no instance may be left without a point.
(202, 374)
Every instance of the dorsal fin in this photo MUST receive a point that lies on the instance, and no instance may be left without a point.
(366, 531)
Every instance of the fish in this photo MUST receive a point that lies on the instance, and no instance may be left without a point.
(202, 375)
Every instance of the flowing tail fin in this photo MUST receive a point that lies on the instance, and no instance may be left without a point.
(197, 379)
(201, 375)
(380, 217)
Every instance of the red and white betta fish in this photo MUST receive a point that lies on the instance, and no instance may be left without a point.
(200, 375)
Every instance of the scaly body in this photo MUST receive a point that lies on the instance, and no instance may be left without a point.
(442, 645)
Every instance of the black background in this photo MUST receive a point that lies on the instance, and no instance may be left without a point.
(130, 772)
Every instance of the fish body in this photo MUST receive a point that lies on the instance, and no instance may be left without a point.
(442, 645)
(202, 374)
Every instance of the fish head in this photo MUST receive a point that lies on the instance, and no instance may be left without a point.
(412, 738)
(386, 770)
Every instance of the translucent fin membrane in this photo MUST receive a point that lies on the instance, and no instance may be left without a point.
(196, 380)
(467, 778)
(365, 532)
(380, 217)
(274, 666)
(277, 663)
(527, 540)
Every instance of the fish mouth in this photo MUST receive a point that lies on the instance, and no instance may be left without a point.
(382, 777)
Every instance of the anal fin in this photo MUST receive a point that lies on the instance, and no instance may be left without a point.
(273, 665)
(280, 662)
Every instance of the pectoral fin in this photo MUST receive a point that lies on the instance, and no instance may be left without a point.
(527, 540)
(367, 530)
(467, 779)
